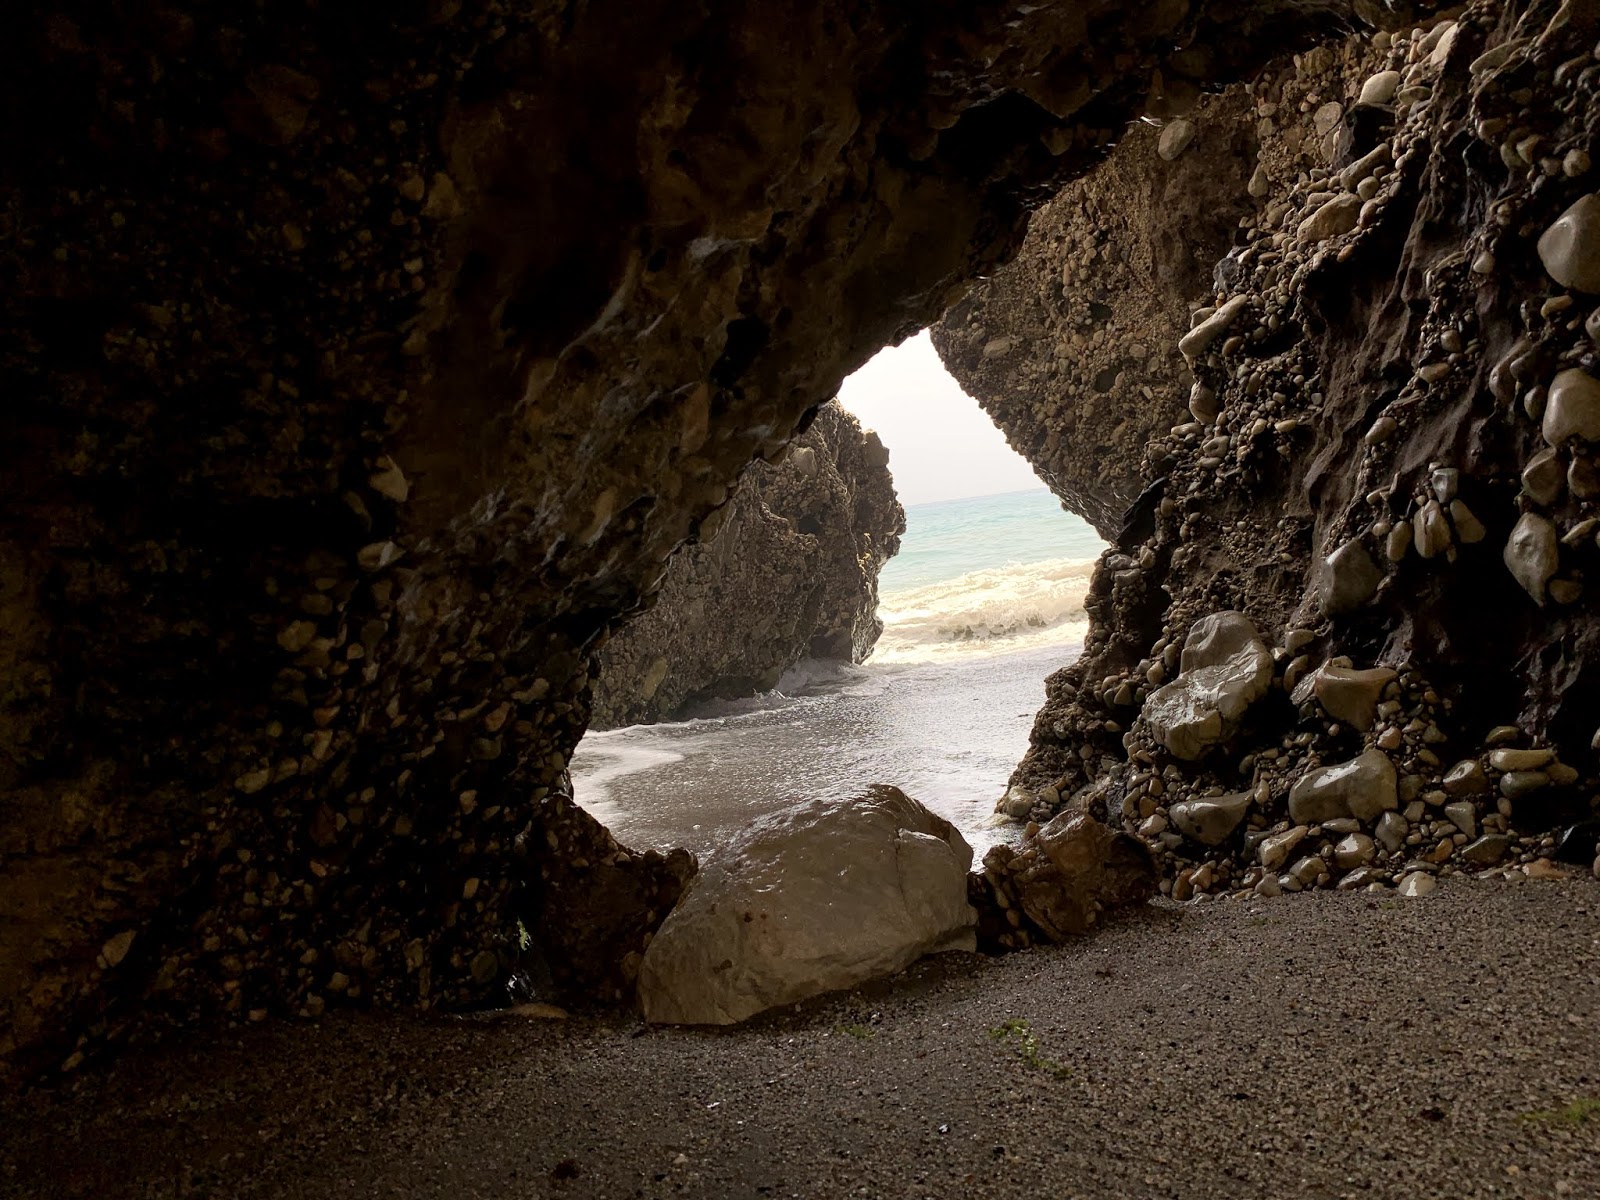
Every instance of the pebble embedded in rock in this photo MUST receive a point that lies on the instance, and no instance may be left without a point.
(1212, 819)
(1570, 248)
(1468, 528)
(1532, 554)
(1572, 408)
(1199, 339)
(1543, 478)
(1391, 831)
(1175, 138)
(1379, 88)
(1275, 850)
(1349, 695)
(1364, 788)
(1430, 532)
(1521, 760)
(1224, 669)
(1350, 579)
(1334, 217)
(1463, 816)
(1489, 849)
(1354, 850)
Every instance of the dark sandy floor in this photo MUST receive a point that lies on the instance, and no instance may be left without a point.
(1336, 1045)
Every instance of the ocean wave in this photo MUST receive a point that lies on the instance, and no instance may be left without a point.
(992, 611)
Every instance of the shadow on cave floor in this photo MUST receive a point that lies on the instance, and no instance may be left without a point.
(1291, 1047)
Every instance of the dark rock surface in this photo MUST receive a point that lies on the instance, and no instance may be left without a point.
(363, 362)
(788, 570)
(1371, 480)
(1072, 347)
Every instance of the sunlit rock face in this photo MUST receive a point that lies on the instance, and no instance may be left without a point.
(787, 570)
(363, 362)
(1377, 447)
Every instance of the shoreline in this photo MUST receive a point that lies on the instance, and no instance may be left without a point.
(1328, 1044)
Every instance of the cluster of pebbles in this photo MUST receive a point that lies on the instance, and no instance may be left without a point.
(1258, 700)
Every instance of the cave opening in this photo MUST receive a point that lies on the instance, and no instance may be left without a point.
(881, 606)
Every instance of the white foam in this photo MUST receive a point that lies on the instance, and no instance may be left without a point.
(986, 612)
(607, 756)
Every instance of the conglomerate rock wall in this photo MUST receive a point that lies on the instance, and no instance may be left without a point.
(363, 362)
(1071, 348)
(1349, 637)
(788, 571)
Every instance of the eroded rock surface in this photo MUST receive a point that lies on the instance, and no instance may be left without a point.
(810, 899)
(363, 362)
(789, 570)
(1386, 466)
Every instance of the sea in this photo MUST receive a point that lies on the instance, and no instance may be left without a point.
(984, 600)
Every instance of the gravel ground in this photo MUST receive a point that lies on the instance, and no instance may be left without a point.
(1333, 1045)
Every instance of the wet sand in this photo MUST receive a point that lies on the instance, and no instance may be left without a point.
(1330, 1045)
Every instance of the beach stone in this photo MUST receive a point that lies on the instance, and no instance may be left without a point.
(1379, 88)
(1468, 528)
(1212, 819)
(1349, 695)
(1432, 534)
(1542, 478)
(1570, 248)
(1175, 138)
(1521, 760)
(1391, 831)
(822, 895)
(1489, 849)
(1349, 579)
(1199, 339)
(1466, 778)
(1464, 816)
(1354, 850)
(1417, 884)
(1225, 668)
(1364, 788)
(1515, 784)
(1275, 850)
(1572, 408)
(1532, 554)
(1072, 868)
(1336, 216)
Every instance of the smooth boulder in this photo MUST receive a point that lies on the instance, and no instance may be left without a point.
(823, 895)
(1225, 669)
(1364, 788)
(1570, 248)
(1210, 820)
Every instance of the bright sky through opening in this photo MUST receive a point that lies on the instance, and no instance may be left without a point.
(942, 446)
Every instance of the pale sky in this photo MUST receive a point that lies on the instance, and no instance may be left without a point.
(942, 446)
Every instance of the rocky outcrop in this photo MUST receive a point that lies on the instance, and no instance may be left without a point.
(811, 899)
(1385, 467)
(788, 570)
(1072, 347)
(364, 362)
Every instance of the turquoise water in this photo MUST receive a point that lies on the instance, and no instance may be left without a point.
(983, 602)
(950, 538)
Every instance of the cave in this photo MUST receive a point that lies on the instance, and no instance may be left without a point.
(366, 364)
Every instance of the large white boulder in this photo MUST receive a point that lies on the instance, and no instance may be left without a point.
(820, 896)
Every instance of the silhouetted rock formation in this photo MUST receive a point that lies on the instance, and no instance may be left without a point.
(790, 572)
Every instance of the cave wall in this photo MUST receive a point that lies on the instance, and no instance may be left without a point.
(1366, 467)
(362, 362)
(1072, 347)
(787, 570)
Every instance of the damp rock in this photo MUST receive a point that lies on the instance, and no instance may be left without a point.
(1364, 788)
(1379, 88)
(1175, 138)
(1212, 819)
(1225, 668)
(1532, 554)
(1570, 248)
(1572, 408)
(1350, 695)
(1199, 339)
(1349, 579)
(1336, 216)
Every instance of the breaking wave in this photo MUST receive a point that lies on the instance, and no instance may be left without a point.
(992, 611)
